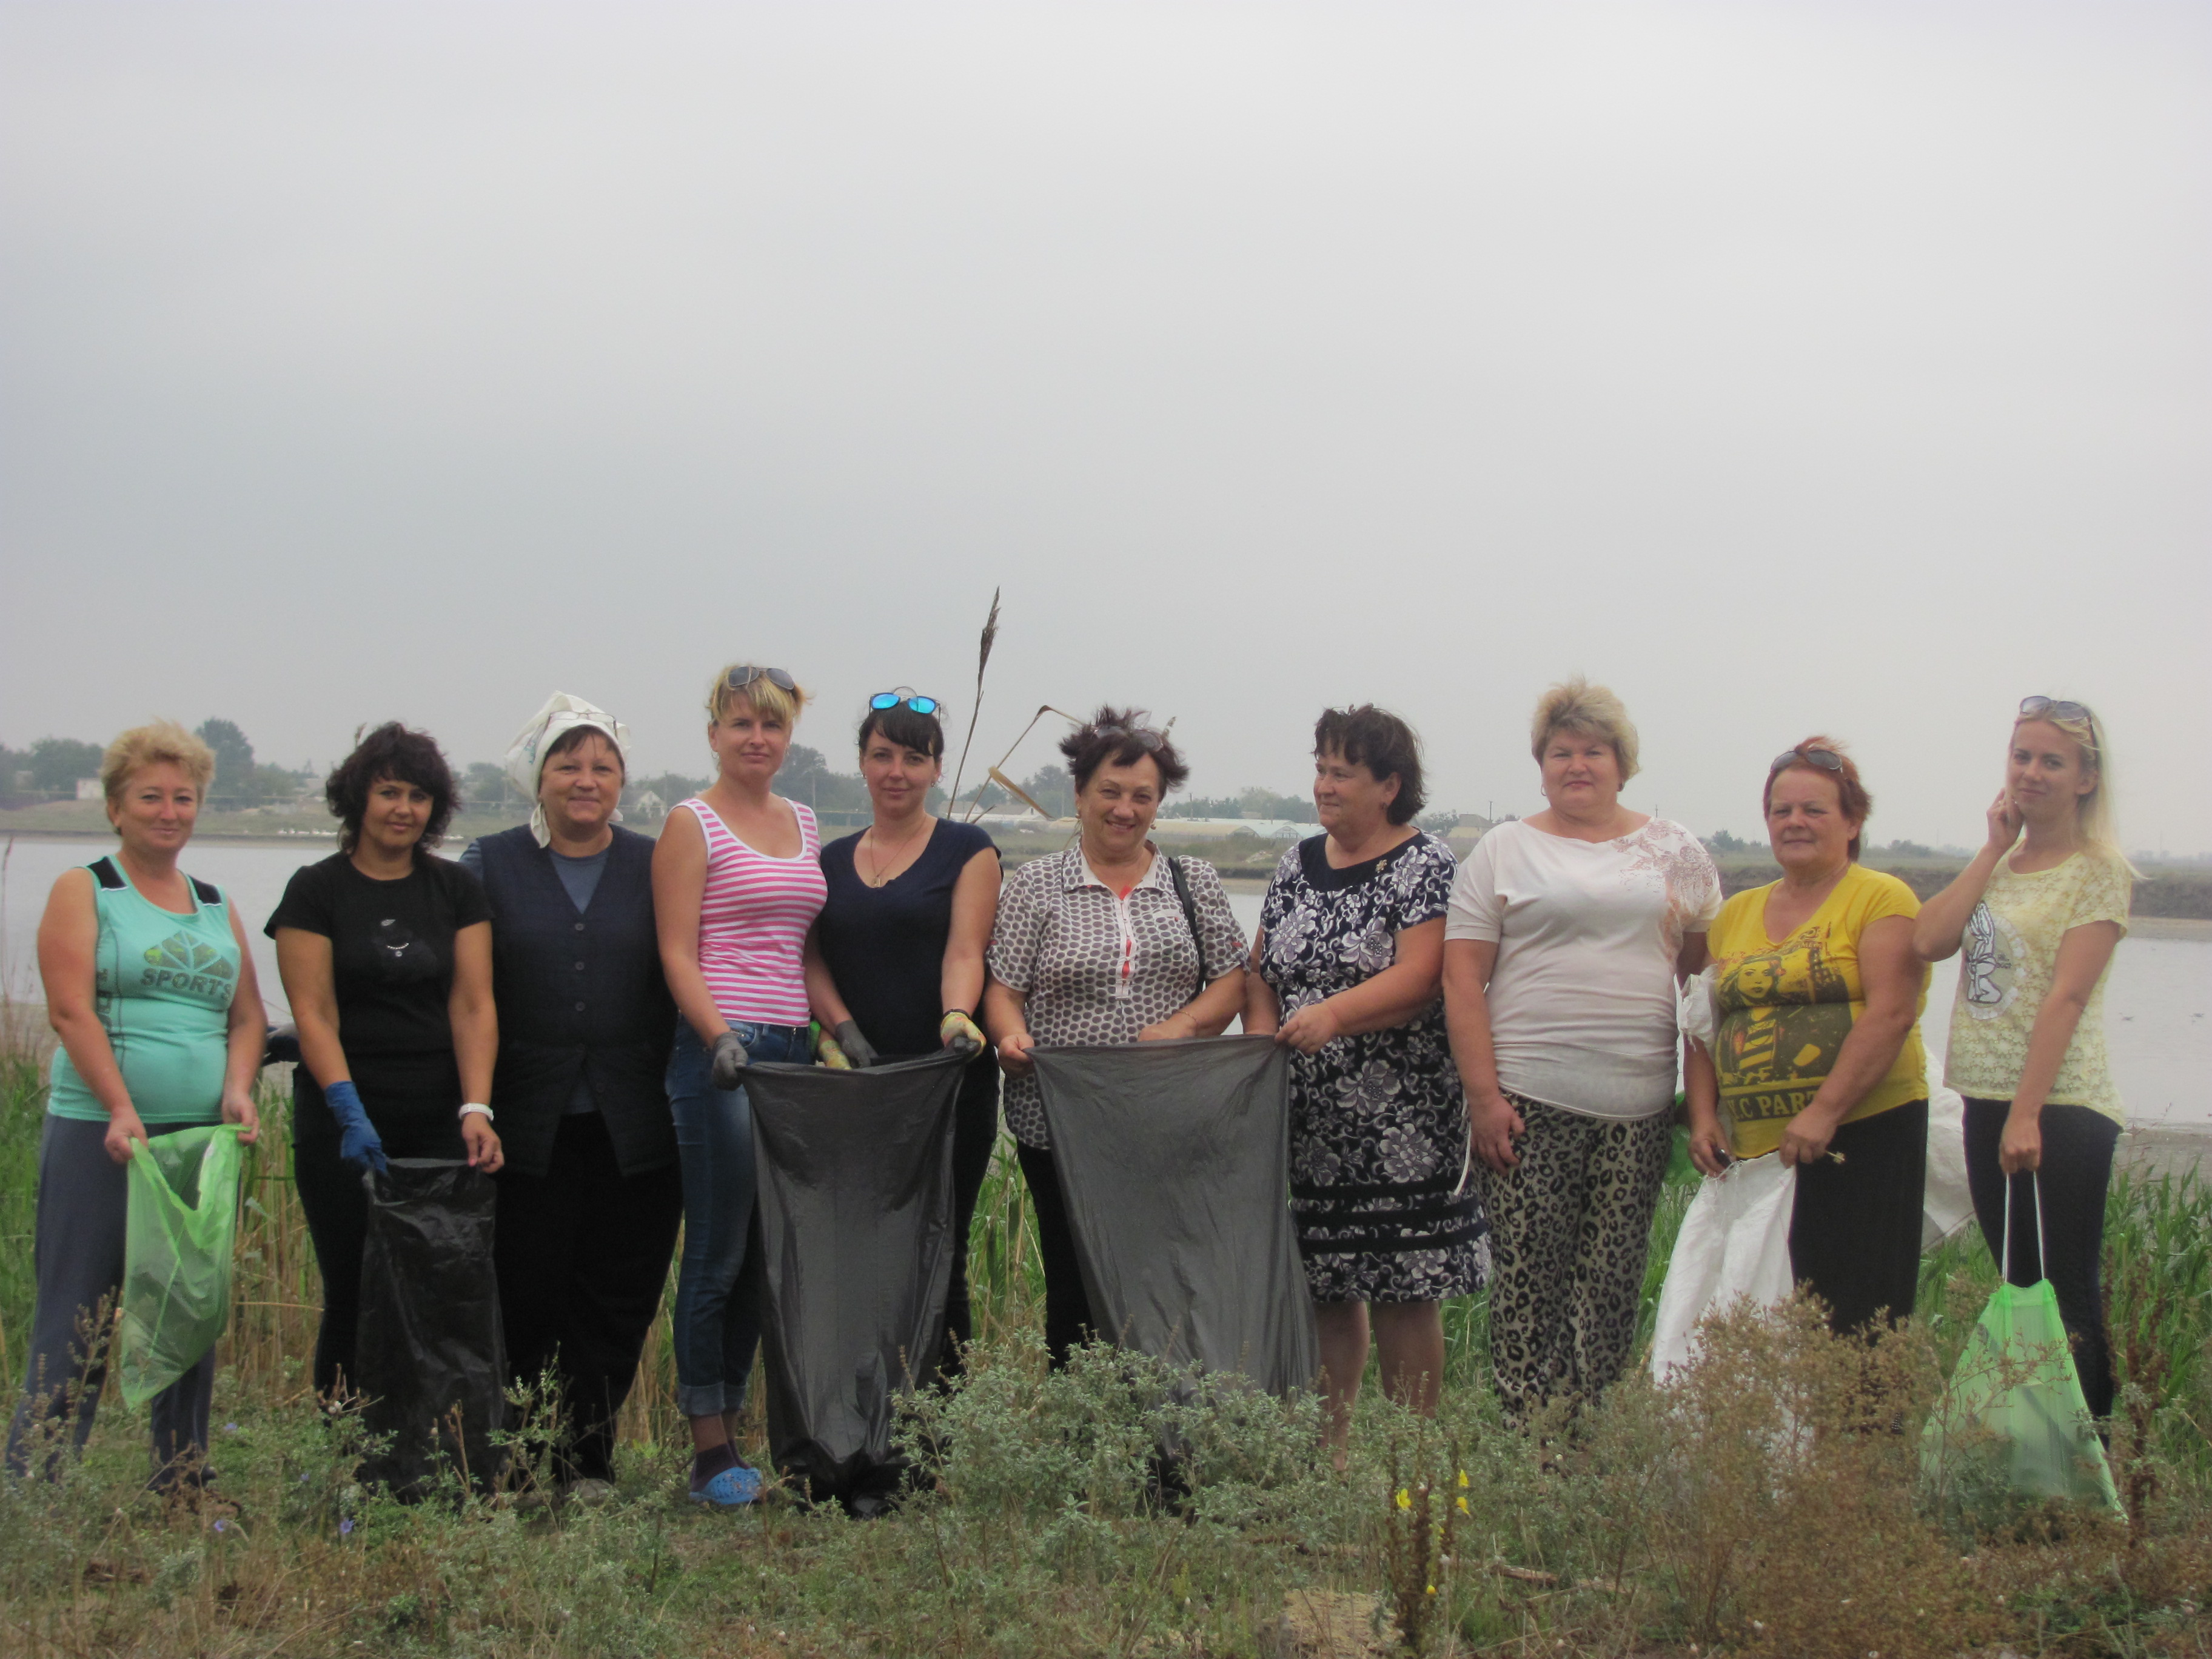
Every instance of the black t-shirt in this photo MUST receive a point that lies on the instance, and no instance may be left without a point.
(886, 945)
(392, 949)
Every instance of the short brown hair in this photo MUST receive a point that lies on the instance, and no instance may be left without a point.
(1851, 796)
(1378, 740)
(156, 743)
(1120, 735)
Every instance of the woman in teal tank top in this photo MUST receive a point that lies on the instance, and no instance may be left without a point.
(150, 989)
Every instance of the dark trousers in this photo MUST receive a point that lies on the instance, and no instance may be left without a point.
(582, 1253)
(336, 1203)
(1067, 1305)
(2067, 1246)
(83, 1200)
(1854, 1234)
(975, 1131)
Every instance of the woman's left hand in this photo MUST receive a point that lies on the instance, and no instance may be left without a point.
(1806, 1138)
(1174, 1029)
(483, 1142)
(1311, 1027)
(238, 1107)
(959, 1033)
(2021, 1147)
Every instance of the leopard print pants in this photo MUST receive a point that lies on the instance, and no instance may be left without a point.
(1570, 1229)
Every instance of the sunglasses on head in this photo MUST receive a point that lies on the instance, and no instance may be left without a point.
(905, 697)
(1826, 759)
(1143, 737)
(738, 679)
(2051, 708)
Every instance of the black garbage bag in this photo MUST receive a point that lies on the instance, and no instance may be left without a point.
(1174, 1161)
(430, 1338)
(855, 1210)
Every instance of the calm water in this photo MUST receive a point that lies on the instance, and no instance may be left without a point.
(2156, 1006)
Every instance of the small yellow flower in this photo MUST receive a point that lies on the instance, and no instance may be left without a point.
(1433, 1589)
(1463, 1478)
(1464, 1510)
(1405, 1498)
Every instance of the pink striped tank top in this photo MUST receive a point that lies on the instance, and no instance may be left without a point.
(753, 920)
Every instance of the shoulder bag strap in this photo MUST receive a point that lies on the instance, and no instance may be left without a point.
(1189, 915)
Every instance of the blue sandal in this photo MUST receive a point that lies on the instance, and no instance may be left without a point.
(734, 1488)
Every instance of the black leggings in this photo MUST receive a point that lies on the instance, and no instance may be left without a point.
(1067, 1305)
(975, 1131)
(411, 1125)
(2076, 1167)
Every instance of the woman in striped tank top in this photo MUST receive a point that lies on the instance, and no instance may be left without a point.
(736, 887)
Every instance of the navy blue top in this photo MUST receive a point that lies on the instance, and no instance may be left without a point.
(886, 945)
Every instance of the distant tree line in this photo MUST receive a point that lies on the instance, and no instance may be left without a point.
(50, 768)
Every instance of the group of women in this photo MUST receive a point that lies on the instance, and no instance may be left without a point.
(1484, 1066)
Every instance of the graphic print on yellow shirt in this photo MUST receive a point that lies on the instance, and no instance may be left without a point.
(1783, 1009)
(2007, 959)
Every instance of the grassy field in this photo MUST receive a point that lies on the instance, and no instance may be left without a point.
(1771, 1504)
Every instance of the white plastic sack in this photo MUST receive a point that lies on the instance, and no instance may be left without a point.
(1694, 1013)
(1947, 1206)
(1735, 1243)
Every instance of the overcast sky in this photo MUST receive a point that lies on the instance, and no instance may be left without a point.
(1791, 367)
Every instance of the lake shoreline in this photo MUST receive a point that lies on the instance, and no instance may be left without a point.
(2168, 905)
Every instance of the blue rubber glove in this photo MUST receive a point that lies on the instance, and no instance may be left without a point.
(359, 1144)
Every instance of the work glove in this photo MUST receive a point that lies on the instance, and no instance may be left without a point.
(858, 1048)
(730, 1061)
(359, 1144)
(957, 1032)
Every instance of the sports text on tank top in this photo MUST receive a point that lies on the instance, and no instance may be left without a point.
(753, 919)
(163, 985)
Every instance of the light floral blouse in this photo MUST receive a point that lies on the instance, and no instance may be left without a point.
(1096, 968)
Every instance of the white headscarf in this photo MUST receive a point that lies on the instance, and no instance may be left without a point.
(562, 715)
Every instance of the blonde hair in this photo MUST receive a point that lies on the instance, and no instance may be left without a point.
(1589, 710)
(162, 742)
(2095, 822)
(766, 696)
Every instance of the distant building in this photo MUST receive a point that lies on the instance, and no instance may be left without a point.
(650, 806)
(88, 789)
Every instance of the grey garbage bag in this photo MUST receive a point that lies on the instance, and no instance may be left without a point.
(429, 1340)
(855, 1207)
(1175, 1160)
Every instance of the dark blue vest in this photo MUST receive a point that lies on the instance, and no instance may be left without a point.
(579, 995)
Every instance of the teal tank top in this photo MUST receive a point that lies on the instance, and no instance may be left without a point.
(162, 984)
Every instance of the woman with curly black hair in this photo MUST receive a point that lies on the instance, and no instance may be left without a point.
(391, 947)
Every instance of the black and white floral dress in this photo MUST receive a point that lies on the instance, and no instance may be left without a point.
(1379, 1179)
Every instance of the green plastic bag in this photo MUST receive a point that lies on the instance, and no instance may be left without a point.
(2014, 1422)
(183, 1216)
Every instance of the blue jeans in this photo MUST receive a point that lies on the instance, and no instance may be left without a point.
(718, 1304)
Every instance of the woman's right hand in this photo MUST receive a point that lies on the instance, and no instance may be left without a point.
(1707, 1143)
(1492, 1127)
(1014, 1054)
(2003, 823)
(123, 1128)
(726, 1069)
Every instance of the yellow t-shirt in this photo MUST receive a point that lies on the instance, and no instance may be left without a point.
(1784, 1008)
(2005, 966)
